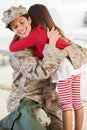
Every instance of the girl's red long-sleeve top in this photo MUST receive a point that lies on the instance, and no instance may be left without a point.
(35, 40)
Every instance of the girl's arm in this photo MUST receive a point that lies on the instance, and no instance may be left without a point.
(61, 42)
(37, 35)
(33, 68)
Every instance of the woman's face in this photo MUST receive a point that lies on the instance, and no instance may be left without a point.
(21, 26)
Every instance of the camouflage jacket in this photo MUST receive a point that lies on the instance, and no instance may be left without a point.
(77, 55)
(31, 75)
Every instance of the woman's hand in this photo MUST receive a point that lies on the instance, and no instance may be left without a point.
(65, 52)
(53, 35)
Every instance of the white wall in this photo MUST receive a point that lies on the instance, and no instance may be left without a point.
(5, 4)
(73, 1)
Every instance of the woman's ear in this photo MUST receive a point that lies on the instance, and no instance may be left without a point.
(29, 19)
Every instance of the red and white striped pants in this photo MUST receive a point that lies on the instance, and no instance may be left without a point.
(69, 93)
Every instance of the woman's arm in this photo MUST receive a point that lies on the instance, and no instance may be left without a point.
(25, 63)
(77, 55)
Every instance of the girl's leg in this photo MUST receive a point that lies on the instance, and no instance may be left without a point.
(67, 120)
(79, 115)
(65, 100)
(77, 103)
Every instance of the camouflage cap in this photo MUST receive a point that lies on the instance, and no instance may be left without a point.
(12, 13)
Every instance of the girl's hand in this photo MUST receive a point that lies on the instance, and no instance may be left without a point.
(53, 35)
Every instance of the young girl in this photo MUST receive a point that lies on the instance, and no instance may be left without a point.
(67, 79)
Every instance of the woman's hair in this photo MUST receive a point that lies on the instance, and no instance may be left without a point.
(40, 15)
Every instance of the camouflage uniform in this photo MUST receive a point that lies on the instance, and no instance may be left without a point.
(31, 79)
(77, 55)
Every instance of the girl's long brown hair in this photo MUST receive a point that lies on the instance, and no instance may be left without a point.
(40, 15)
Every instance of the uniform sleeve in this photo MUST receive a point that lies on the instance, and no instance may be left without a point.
(77, 55)
(33, 68)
